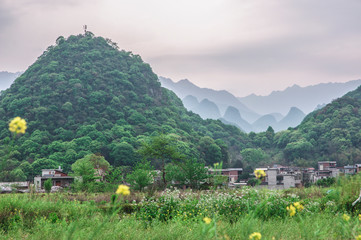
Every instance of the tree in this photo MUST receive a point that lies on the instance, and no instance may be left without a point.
(174, 173)
(90, 168)
(42, 163)
(325, 182)
(253, 156)
(123, 154)
(115, 175)
(162, 147)
(101, 165)
(253, 182)
(84, 169)
(246, 173)
(48, 184)
(299, 149)
(142, 176)
(189, 172)
(218, 178)
(209, 150)
(27, 170)
(194, 172)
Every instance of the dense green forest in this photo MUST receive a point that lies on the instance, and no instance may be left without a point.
(84, 96)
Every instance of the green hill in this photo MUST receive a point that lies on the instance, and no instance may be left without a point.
(84, 96)
(332, 133)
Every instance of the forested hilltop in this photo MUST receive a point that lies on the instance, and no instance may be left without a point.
(332, 133)
(84, 96)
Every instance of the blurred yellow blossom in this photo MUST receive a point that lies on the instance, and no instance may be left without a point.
(255, 236)
(17, 125)
(259, 173)
(123, 190)
(292, 210)
(207, 220)
(346, 217)
(298, 205)
(358, 237)
(359, 217)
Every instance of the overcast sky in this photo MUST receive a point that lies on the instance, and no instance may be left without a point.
(243, 46)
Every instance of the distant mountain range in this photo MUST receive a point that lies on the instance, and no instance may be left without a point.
(306, 99)
(292, 119)
(222, 99)
(7, 78)
(280, 109)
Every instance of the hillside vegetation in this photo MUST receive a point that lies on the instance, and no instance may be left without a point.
(332, 133)
(84, 96)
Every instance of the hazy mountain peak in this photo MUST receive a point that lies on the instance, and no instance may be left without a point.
(293, 118)
(190, 97)
(166, 80)
(295, 110)
(264, 122)
(207, 109)
(232, 115)
(185, 81)
(304, 98)
(190, 102)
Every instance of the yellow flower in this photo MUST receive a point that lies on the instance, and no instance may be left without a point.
(123, 190)
(17, 125)
(292, 210)
(298, 205)
(358, 237)
(207, 220)
(359, 217)
(346, 217)
(259, 173)
(255, 236)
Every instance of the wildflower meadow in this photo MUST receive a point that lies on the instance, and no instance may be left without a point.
(219, 213)
(246, 213)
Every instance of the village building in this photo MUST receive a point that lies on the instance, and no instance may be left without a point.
(282, 178)
(58, 177)
(8, 187)
(326, 165)
(349, 169)
(358, 168)
(326, 169)
(232, 173)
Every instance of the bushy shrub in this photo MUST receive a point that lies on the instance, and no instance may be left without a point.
(48, 184)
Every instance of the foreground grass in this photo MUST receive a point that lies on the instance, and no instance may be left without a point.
(175, 215)
(320, 226)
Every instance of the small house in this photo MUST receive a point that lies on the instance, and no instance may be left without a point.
(58, 177)
(232, 173)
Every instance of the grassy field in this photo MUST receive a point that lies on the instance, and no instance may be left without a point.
(313, 213)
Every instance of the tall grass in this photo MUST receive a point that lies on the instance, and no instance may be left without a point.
(175, 214)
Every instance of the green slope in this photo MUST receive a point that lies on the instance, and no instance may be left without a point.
(84, 96)
(332, 133)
